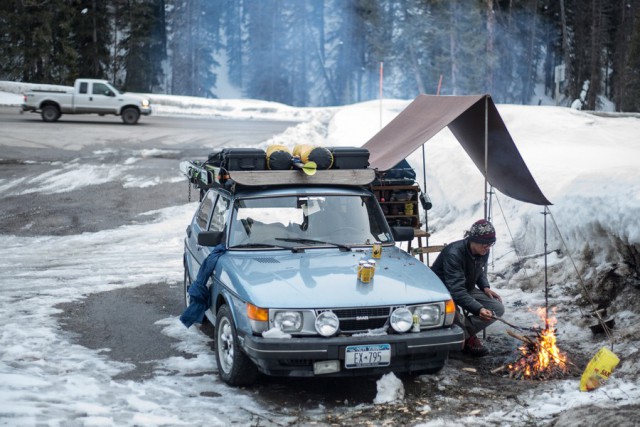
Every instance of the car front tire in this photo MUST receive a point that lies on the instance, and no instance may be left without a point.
(130, 116)
(234, 367)
(185, 287)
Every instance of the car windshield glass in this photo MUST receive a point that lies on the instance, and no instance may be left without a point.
(323, 220)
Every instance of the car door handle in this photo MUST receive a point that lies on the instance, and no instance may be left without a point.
(91, 98)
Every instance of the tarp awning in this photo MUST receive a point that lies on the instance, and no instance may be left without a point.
(465, 116)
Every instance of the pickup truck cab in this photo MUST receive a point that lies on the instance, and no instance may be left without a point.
(89, 96)
(286, 295)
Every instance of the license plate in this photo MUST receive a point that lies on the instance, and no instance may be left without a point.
(367, 356)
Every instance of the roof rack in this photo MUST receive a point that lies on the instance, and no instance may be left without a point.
(235, 168)
(205, 176)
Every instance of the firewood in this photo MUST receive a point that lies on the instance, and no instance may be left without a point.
(499, 369)
(522, 338)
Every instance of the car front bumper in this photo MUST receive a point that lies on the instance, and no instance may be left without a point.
(410, 352)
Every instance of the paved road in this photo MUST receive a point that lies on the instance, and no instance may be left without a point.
(32, 151)
(123, 320)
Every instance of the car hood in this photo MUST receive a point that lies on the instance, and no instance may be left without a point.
(327, 278)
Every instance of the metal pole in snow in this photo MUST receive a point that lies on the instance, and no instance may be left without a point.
(546, 282)
(381, 74)
(486, 152)
(424, 179)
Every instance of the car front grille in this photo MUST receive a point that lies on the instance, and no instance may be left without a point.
(358, 320)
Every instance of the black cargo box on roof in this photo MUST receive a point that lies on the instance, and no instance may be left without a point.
(239, 159)
(349, 157)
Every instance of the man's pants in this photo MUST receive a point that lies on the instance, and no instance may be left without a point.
(473, 324)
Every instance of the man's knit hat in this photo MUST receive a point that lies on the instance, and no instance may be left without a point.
(482, 231)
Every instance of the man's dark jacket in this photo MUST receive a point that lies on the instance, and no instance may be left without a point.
(461, 271)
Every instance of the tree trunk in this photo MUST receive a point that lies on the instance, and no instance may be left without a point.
(490, 48)
(565, 42)
(453, 47)
(527, 89)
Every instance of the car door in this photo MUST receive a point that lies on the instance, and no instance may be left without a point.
(212, 216)
(99, 98)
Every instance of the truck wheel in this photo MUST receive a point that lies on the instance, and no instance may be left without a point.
(234, 367)
(130, 115)
(50, 113)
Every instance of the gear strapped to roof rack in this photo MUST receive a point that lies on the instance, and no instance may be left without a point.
(247, 167)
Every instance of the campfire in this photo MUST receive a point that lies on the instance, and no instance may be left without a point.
(540, 358)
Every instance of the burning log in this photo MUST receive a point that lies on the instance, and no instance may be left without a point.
(540, 358)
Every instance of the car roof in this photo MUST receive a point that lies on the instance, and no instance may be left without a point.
(301, 190)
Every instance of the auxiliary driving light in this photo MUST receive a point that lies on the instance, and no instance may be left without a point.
(401, 319)
(327, 323)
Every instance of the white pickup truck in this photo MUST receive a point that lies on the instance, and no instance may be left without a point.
(88, 96)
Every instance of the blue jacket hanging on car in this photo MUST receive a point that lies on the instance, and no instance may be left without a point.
(200, 296)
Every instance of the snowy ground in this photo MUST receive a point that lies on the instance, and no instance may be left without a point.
(585, 164)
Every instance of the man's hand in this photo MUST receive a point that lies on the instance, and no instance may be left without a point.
(485, 314)
(492, 294)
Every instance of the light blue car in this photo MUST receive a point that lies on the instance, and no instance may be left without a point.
(286, 296)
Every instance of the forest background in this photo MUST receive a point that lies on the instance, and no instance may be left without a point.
(580, 53)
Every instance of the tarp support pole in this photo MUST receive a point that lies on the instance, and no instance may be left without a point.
(424, 186)
(546, 281)
(486, 155)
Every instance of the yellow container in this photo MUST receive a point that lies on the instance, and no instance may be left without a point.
(360, 264)
(366, 274)
(408, 208)
(376, 250)
(598, 369)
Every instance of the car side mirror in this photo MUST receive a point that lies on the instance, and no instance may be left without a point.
(402, 234)
(210, 238)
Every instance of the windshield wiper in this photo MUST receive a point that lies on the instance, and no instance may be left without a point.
(344, 248)
(262, 246)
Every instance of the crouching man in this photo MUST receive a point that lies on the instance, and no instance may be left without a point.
(460, 266)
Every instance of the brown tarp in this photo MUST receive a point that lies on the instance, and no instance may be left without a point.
(465, 116)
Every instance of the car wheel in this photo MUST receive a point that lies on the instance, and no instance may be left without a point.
(234, 367)
(187, 283)
(130, 115)
(50, 113)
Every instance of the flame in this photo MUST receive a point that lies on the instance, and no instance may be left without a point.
(537, 360)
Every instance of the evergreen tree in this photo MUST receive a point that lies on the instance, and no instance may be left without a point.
(90, 33)
(631, 99)
(233, 23)
(143, 44)
(36, 46)
(266, 77)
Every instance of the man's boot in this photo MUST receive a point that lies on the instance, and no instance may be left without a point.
(474, 347)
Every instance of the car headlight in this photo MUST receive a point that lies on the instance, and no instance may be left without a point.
(401, 319)
(428, 315)
(288, 321)
(327, 323)
(145, 102)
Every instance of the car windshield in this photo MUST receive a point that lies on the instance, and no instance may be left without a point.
(293, 221)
